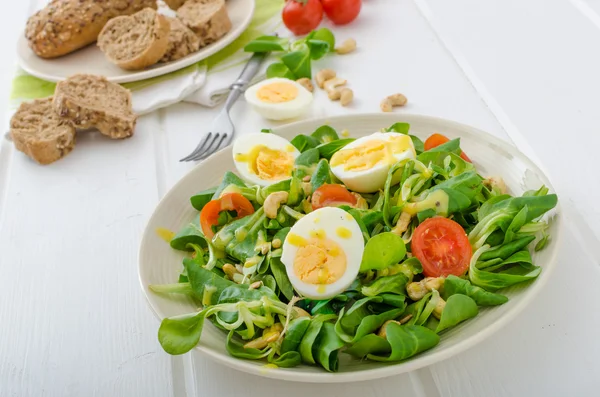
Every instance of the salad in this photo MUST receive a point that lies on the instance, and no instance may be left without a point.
(327, 245)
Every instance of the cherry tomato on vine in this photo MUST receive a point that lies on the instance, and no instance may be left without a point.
(341, 12)
(302, 16)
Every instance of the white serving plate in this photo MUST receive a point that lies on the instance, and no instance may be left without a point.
(91, 60)
(159, 264)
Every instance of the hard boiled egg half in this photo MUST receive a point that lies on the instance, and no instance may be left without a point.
(264, 158)
(363, 165)
(322, 253)
(279, 98)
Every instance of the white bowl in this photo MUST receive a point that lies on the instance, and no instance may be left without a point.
(159, 264)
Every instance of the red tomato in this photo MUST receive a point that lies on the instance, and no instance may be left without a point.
(302, 16)
(209, 216)
(439, 139)
(332, 195)
(341, 12)
(442, 246)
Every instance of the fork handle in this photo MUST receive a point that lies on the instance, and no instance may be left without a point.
(249, 71)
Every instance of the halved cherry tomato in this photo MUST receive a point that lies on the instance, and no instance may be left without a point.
(302, 16)
(439, 139)
(442, 246)
(341, 12)
(332, 195)
(209, 216)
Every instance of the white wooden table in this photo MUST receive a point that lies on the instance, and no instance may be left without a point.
(73, 319)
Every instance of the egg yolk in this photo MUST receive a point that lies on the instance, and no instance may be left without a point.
(268, 164)
(277, 92)
(372, 153)
(318, 260)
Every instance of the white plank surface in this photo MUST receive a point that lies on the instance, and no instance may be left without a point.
(74, 320)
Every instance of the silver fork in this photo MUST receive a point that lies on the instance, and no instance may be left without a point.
(222, 129)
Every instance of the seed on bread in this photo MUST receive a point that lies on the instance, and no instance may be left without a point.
(182, 41)
(64, 26)
(40, 133)
(92, 101)
(207, 18)
(137, 41)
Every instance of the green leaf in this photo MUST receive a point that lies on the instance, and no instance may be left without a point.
(288, 360)
(236, 349)
(294, 334)
(395, 284)
(326, 348)
(381, 251)
(308, 340)
(189, 234)
(199, 200)
(306, 163)
(199, 278)
(369, 344)
(279, 69)
(328, 149)
(228, 179)
(321, 176)
(304, 142)
(325, 35)
(267, 44)
(281, 277)
(518, 221)
(325, 134)
(516, 269)
(401, 128)
(298, 62)
(504, 251)
(456, 285)
(180, 334)
(458, 309)
(406, 341)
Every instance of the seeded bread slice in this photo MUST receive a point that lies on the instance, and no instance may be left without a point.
(137, 41)
(174, 4)
(92, 101)
(207, 18)
(182, 41)
(40, 133)
(64, 26)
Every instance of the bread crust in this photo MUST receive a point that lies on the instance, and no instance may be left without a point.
(123, 26)
(64, 26)
(40, 133)
(207, 18)
(92, 101)
(174, 4)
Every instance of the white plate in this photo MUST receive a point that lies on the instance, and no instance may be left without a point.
(159, 264)
(91, 60)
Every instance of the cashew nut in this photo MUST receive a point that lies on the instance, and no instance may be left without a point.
(391, 101)
(439, 308)
(306, 188)
(300, 312)
(402, 224)
(405, 319)
(346, 96)
(497, 183)
(232, 273)
(382, 331)
(346, 47)
(418, 289)
(330, 84)
(306, 83)
(255, 285)
(272, 203)
(323, 76)
(306, 178)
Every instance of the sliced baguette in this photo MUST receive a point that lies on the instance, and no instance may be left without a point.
(39, 132)
(207, 18)
(182, 41)
(174, 4)
(92, 101)
(137, 41)
(64, 26)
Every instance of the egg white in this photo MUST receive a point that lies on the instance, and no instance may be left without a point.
(283, 110)
(372, 179)
(245, 143)
(328, 219)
